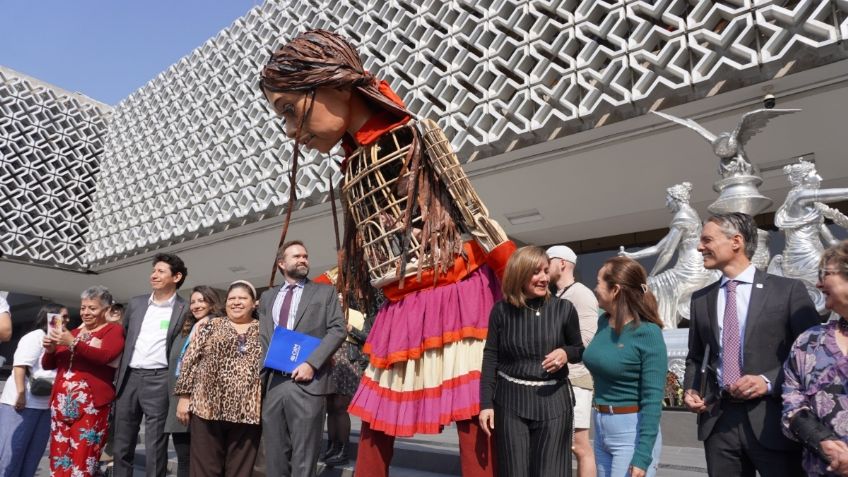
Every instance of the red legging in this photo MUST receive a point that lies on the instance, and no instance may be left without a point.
(476, 451)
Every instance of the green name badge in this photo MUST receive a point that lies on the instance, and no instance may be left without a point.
(163, 325)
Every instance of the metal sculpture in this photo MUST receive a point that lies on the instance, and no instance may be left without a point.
(729, 145)
(674, 286)
(738, 188)
(801, 218)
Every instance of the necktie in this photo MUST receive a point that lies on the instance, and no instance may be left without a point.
(730, 339)
(285, 307)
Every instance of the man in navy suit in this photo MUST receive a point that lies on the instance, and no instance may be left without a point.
(151, 322)
(294, 404)
(749, 320)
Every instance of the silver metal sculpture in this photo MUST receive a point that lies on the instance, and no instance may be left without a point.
(729, 146)
(738, 187)
(674, 286)
(801, 218)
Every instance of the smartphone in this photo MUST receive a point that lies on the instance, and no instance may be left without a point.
(55, 322)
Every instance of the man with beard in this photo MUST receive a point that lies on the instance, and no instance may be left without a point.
(293, 407)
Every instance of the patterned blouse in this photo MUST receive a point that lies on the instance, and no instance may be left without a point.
(816, 378)
(221, 372)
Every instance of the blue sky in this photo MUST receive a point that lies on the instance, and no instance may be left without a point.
(106, 49)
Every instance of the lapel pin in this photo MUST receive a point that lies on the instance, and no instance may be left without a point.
(759, 285)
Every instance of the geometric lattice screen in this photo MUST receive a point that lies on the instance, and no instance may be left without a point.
(50, 145)
(197, 150)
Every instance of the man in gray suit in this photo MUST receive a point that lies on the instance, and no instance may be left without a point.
(744, 325)
(151, 322)
(293, 407)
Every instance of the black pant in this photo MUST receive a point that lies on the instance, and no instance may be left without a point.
(532, 448)
(223, 449)
(182, 445)
(733, 450)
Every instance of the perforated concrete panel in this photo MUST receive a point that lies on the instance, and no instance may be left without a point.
(50, 144)
(197, 150)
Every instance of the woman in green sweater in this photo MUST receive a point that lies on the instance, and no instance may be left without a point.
(628, 362)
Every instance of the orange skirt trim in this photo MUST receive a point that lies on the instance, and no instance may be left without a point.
(460, 269)
(433, 342)
(496, 260)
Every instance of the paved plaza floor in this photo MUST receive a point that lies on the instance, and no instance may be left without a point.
(437, 455)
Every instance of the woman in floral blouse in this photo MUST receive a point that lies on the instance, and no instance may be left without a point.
(815, 401)
(85, 360)
(220, 391)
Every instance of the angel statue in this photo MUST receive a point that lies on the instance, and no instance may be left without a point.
(729, 146)
(801, 218)
(674, 286)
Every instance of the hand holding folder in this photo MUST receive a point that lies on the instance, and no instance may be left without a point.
(289, 349)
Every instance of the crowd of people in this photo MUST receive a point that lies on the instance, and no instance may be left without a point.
(762, 373)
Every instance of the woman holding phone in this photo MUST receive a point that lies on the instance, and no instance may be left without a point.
(85, 361)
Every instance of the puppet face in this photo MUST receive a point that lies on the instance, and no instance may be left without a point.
(326, 123)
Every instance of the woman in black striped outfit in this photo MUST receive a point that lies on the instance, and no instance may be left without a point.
(525, 397)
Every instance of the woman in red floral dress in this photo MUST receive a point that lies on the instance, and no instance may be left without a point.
(85, 360)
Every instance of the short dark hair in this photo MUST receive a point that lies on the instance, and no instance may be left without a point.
(281, 252)
(738, 223)
(246, 285)
(175, 263)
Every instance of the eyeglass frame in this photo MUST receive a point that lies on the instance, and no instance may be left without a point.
(824, 273)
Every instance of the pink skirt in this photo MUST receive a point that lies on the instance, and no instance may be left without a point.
(425, 354)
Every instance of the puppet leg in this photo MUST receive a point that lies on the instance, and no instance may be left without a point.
(476, 450)
(375, 452)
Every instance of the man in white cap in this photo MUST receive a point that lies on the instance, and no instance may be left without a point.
(561, 274)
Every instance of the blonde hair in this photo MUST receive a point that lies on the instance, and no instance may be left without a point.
(522, 265)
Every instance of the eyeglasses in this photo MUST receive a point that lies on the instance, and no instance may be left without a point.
(824, 273)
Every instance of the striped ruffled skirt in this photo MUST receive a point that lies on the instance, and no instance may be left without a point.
(425, 355)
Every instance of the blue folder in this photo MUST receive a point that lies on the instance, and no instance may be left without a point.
(288, 349)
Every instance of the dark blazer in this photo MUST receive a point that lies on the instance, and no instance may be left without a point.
(318, 315)
(780, 309)
(133, 317)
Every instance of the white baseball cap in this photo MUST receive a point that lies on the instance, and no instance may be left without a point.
(563, 252)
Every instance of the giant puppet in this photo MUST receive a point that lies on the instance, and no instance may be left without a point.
(415, 229)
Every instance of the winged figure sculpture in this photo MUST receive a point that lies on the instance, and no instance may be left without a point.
(729, 146)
